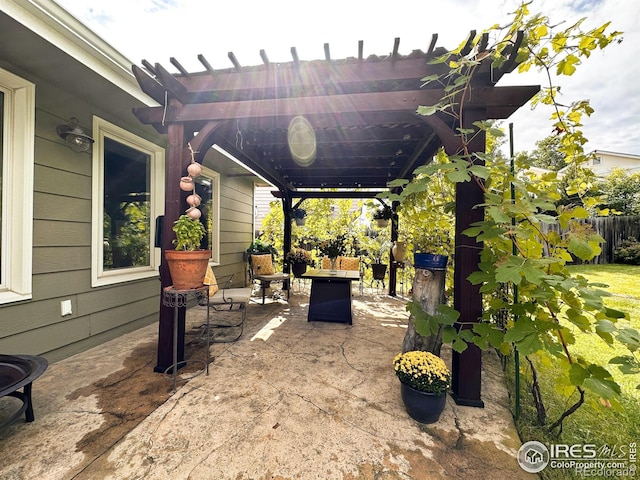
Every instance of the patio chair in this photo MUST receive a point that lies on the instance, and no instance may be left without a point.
(352, 263)
(262, 271)
(228, 299)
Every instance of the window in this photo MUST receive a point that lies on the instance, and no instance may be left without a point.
(208, 188)
(17, 130)
(597, 161)
(128, 189)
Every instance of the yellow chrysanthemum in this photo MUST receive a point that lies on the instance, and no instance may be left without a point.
(423, 371)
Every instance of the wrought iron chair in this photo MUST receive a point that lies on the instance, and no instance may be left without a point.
(262, 271)
(225, 298)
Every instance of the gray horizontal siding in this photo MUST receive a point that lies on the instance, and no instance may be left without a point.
(62, 241)
(62, 251)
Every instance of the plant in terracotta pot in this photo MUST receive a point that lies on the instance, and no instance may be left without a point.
(424, 382)
(188, 262)
(189, 233)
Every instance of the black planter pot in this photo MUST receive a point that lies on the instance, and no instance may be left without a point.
(298, 269)
(379, 270)
(422, 406)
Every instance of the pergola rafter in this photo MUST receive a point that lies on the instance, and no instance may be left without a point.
(367, 133)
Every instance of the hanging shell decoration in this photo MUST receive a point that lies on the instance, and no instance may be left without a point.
(187, 184)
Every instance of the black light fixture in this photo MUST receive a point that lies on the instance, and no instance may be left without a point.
(74, 136)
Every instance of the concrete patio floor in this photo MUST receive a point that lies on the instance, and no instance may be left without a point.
(289, 400)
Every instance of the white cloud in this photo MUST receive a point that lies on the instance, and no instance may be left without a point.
(156, 30)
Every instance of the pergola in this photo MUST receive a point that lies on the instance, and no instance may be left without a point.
(362, 112)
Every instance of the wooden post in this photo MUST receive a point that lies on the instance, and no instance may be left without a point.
(172, 208)
(393, 265)
(428, 291)
(288, 218)
(467, 366)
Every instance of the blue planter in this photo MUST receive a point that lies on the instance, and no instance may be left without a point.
(422, 406)
(430, 261)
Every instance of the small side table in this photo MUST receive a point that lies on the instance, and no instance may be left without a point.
(179, 298)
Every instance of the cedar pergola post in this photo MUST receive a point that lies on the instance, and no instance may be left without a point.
(174, 166)
(467, 299)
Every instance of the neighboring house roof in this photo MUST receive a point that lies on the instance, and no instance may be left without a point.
(603, 162)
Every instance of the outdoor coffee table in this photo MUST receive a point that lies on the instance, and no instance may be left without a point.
(330, 299)
(19, 371)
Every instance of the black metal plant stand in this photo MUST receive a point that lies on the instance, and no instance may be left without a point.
(176, 299)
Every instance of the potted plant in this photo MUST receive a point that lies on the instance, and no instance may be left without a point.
(258, 247)
(299, 259)
(378, 246)
(333, 248)
(299, 215)
(188, 262)
(378, 267)
(424, 256)
(382, 215)
(424, 381)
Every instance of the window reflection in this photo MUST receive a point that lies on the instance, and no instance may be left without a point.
(127, 224)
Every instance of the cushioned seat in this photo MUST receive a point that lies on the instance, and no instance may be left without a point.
(231, 295)
(227, 299)
(262, 270)
(349, 263)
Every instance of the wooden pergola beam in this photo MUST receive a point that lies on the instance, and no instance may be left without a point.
(362, 103)
(303, 194)
(299, 73)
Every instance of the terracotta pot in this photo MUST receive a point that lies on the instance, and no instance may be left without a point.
(187, 269)
(422, 406)
(399, 251)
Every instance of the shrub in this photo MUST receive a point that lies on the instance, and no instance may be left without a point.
(628, 252)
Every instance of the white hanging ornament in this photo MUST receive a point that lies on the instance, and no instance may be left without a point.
(194, 213)
(194, 200)
(186, 184)
(194, 169)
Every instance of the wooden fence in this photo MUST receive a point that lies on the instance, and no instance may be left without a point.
(613, 230)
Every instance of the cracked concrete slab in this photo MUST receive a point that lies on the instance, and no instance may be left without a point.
(289, 400)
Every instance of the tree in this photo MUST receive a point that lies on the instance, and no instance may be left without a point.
(547, 154)
(326, 218)
(622, 192)
(517, 252)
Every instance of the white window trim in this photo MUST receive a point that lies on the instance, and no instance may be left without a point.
(102, 129)
(215, 213)
(17, 202)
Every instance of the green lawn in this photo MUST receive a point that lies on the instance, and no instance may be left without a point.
(592, 423)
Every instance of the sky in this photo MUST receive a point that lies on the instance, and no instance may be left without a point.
(156, 30)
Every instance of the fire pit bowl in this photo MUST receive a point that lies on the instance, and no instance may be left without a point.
(18, 371)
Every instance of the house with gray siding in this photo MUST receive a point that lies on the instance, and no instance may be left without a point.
(78, 262)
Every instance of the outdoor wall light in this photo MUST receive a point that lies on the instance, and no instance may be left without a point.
(74, 136)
